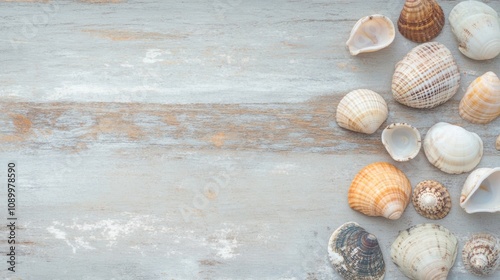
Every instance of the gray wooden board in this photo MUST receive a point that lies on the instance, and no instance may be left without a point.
(197, 140)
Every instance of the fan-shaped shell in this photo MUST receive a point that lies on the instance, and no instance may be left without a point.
(431, 200)
(362, 110)
(481, 103)
(380, 189)
(355, 253)
(452, 149)
(426, 77)
(402, 141)
(425, 251)
(477, 29)
(421, 20)
(481, 191)
(371, 33)
(481, 254)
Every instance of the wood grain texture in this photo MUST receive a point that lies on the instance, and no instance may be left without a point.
(197, 139)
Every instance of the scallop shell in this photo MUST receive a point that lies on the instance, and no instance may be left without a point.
(481, 103)
(421, 20)
(481, 254)
(431, 200)
(452, 149)
(425, 251)
(355, 253)
(426, 77)
(477, 29)
(497, 143)
(380, 189)
(371, 33)
(362, 110)
(481, 191)
(402, 141)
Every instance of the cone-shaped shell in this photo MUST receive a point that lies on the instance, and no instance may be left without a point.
(421, 20)
(426, 77)
(481, 191)
(362, 110)
(481, 103)
(425, 251)
(452, 149)
(402, 141)
(380, 189)
(431, 200)
(481, 254)
(371, 33)
(355, 253)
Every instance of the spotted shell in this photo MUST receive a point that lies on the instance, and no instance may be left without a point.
(481, 254)
(421, 20)
(431, 200)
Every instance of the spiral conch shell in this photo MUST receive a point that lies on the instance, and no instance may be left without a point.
(481, 103)
(425, 251)
(481, 191)
(481, 254)
(380, 189)
(452, 149)
(362, 110)
(477, 28)
(355, 253)
(426, 77)
(431, 200)
(371, 33)
(421, 20)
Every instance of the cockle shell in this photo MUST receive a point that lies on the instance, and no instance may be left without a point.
(431, 200)
(426, 77)
(371, 33)
(481, 254)
(425, 251)
(362, 110)
(421, 20)
(481, 103)
(481, 191)
(355, 253)
(452, 149)
(380, 189)
(402, 141)
(477, 29)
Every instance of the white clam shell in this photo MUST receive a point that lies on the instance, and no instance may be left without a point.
(477, 28)
(481, 102)
(452, 149)
(371, 33)
(481, 191)
(402, 141)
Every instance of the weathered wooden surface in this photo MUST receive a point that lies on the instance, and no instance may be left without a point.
(197, 140)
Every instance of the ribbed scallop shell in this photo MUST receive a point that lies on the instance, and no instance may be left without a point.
(452, 149)
(431, 200)
(402, 141)
(481, 254)
(481, 103)
(380, 189)
(481, 191)
(421, 20)
(355, 253)
(425, 251)
(362, 110)
(371, 33)
(426, 77)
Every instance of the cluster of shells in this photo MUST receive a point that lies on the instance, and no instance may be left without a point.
(426, 77)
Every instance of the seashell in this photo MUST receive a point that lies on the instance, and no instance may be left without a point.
(402, 141)
(497, 143)
(355, 253)
(452, 149)
(426, 77)
(362, 110)
(425, 251)
(481, 254)
(477, 29)
(481, 191)
(421, 20)
(431, 200)
(481, 103)
(380, 189)
(371, 33)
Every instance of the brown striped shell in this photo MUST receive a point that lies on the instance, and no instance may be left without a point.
(421, 20)
(481, 254)
(431, 200)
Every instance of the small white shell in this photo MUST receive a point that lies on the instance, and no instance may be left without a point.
(481, 102)
(452, 149)
(402, 141)
(481, 254)
(371, 33)
(481, 191)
